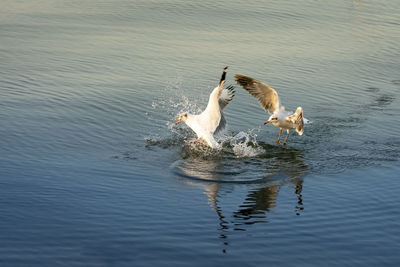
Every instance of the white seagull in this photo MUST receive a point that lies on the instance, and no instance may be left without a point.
(269, 101)
(211, 121)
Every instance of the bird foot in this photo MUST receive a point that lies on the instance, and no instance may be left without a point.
(279, 142)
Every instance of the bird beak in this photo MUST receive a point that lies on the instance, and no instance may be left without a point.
(177, 121)
(267, 122)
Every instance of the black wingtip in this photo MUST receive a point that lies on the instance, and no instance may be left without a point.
(231, 88)
(223, 75)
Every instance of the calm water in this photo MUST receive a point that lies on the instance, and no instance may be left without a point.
(94, 173)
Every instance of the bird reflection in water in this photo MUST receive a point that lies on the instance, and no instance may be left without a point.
(279, 167)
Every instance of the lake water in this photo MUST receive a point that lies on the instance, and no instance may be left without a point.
(94, 173)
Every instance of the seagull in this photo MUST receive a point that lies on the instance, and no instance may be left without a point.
(269, 101)
(211, 121)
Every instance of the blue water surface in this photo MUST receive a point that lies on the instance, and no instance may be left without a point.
(93, 172)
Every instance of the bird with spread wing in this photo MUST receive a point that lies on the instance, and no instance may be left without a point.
(269, 101)
(211, 121)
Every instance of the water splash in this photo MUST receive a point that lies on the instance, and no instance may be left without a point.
(171, 103)
(239, 158)
(244, 144)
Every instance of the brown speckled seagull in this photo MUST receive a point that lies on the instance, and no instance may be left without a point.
(269, 101)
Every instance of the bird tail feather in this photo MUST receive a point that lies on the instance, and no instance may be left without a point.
(299, 121)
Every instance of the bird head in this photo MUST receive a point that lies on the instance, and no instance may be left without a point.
(182, 117)
(273, 118)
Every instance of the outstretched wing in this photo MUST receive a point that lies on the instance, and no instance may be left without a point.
(266, 95)
(226, 96)
(213, 101)
(211, 116)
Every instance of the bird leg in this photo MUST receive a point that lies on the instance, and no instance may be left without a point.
(197, 141)
(279, 137)
(287, 136)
